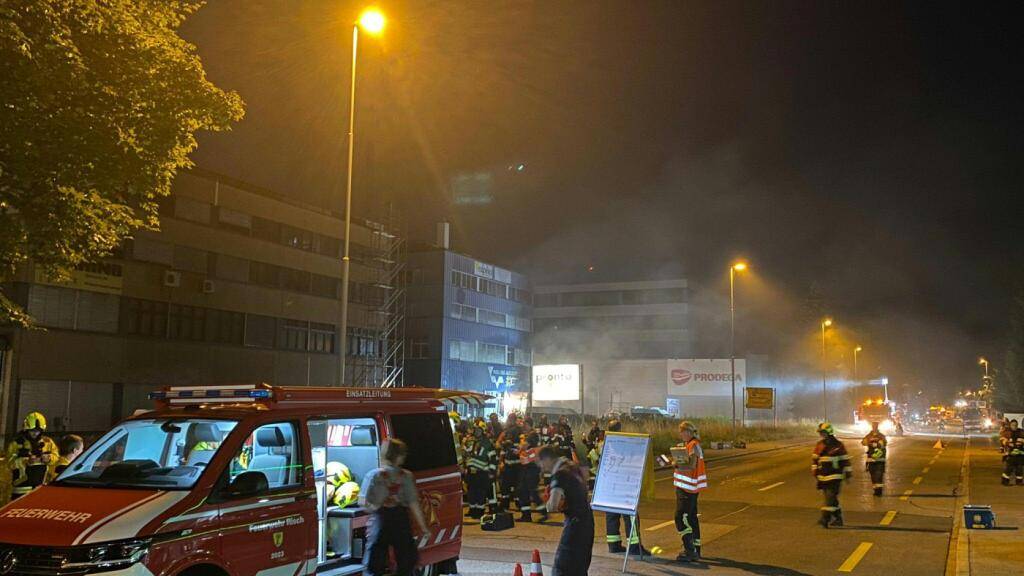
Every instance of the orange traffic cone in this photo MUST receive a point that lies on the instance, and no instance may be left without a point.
(518, 571)
(535, 568)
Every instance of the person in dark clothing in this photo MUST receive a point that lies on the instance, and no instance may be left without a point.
(830, 466)
(568, 495)
(389, 492)
(510, 466)
(529, 479)
(876, 444)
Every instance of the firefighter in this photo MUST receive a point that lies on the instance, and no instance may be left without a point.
(529, 479)
(877, 449)
(612, 520)
(830, 466)
(389, 493)
(477, 473)
(593, 436)
(511, 468)
(494, 427)
(1013, 454)
(492, 465)
(71, 447)
(31, 456)
(568, 494)
(689, 476)
(566, 441)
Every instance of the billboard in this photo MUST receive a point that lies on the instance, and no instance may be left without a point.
(556, 382)
(704, 377)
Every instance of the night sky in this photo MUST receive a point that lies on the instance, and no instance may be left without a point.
(864, 157)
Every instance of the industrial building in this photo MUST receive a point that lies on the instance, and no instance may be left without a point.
(240, 284)
(468, 327)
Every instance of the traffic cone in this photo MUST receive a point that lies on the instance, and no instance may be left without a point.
(938, 445)
(535, 568)
(518, 571)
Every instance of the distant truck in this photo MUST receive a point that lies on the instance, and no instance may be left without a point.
(872, 406)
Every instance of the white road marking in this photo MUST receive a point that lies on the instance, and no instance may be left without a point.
(769, 487)
(660, 526)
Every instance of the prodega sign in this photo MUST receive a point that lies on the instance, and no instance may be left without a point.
(704, 377)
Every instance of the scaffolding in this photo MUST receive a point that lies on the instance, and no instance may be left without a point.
(382, 363)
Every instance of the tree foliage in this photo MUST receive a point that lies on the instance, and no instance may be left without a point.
(99, 104)
(1009, 387)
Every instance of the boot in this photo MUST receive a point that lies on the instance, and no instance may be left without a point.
(878, 491)
(825, 518)
(616, 548)
(683, 558)
(638, 550)
(696, 550)
(525, 516)
(837, 518)
(1006, 481)
(1020, 481)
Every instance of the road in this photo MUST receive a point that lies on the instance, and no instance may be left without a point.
(759, 517)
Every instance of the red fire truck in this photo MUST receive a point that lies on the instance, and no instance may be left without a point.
(230, 480)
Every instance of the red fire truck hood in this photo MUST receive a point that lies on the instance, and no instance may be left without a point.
(65, 516)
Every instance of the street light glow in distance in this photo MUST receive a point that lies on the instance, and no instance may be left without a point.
(739, 266)
(372, 21)
(827, 322)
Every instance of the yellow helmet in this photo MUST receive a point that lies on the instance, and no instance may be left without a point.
(35, 420)
(826, 428)
(346, 495)
(338, 473)
(455, 416)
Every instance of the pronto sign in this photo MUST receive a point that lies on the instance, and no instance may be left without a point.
(556, 382)
(704, 377)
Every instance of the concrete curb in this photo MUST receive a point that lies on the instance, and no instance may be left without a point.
(958, 556)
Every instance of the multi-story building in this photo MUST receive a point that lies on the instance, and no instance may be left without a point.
(239, 285)
(620, 332)
(468, 327)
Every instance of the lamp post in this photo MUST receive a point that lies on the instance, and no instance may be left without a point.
(737, 267)
(857, 350)
(824, 369)
(983, 362)
(372, 21)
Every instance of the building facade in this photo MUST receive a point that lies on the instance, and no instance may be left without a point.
(620, 332)
(238, 285)
(468, 327)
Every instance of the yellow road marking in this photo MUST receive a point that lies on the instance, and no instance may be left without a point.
(660, 526)
(926, 470)
(918, 480)
(887, 519)
(906, 495)
(770, 486)
(856, 557)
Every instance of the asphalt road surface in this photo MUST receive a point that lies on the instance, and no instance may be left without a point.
(759, 516)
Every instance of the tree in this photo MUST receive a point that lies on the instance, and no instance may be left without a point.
(99, 104)
(1009, 384)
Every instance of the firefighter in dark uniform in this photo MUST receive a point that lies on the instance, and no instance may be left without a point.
(566, 441)
(492, 465)
(31, 456)
(547, 435)
(477, 473)
(568, 495)
(877, 447)
(529, 479)
(830, 466)
(1013, 454)
(510, 468)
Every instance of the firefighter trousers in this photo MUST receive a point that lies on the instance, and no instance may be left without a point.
(575, 548)
(390, 529)
(509, 482)
(529, 490)
(830, 490)
(877, 472)
(687, 523)
(611, 526)
(479, 489)
(1013, 467)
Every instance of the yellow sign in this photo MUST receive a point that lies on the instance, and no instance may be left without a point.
(102, 277)
(760, 398)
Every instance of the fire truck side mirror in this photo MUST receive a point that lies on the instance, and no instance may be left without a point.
(247, 485)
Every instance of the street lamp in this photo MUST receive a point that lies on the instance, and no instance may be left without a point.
(983, 362)
(737, 267)
(856, 350)
(824, 368)
(372, 21)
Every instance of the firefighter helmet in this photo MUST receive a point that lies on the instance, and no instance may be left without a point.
(346, 494)
(455, 417)
(827, 428)
(614, 426)
(35, 420)
(338, 473)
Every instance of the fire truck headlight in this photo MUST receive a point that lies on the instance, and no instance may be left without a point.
(863, 426)
(108, 556)
(988, 422)
(887, 426)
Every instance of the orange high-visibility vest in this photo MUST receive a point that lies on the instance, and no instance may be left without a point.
(693, 478)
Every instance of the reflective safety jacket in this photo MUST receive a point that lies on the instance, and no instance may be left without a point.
(690, 472)
(829, 461)
(1015, 444)
(509, 443)
(876, 445)
(476, 457)
(26, 475)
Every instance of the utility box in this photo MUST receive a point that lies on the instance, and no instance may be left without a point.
(979, 517)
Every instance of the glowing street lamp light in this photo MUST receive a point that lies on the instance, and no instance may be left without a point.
(983, 362)
(824, 370)
(737, 267)
(857, 350)
(373, 22)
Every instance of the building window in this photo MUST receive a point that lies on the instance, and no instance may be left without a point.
(264, 274)
(464, 281)
(360, 344)
(190, 259)
(519, 295)
(491, 353)
(292, 334)
(296, 238)
(523, 357)
(463, 312)
(325, 286)
(321, 337)
(295, 280)
(491, 318)
(493, 288)
(260, 331)
(52, 306)
(266, 229)
(228, 268)
(189, 209)
(144, 317)
(462, 350)
(419, 348)
(234, 220)
(329, 246)
(186, 322)
(148, 250)
(97, 312)
(225, 327)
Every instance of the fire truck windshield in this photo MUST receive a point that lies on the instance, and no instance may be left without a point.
(166, 454)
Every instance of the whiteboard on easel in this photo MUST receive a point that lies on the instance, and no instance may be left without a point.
(620, 475)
